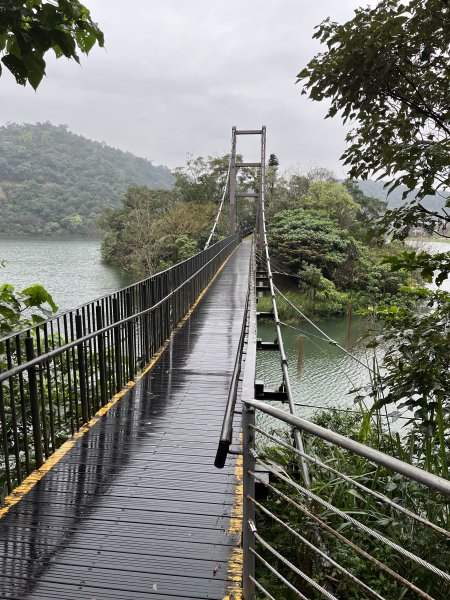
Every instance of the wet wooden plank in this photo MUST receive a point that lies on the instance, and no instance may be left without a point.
(136, 509)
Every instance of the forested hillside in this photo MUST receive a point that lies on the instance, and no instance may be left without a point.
(376, 189)
(54, 181)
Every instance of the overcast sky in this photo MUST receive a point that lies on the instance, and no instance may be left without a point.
(176, 75)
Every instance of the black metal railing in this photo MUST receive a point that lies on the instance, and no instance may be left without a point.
(56, 375)
(226, 434)
(303, 539)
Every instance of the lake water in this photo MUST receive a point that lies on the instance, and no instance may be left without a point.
(69, 268)
(72, 272)
(327, 373)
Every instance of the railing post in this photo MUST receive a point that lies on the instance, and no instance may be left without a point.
(101, 355)
(172, 302)
(145, 323)
(34, 405)
(5, 447)
(117, 348)
(153, 318)
(81, 370)
(130, 337)
(248, 537)
(232, 186)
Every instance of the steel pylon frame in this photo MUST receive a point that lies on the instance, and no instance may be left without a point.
(234, 166)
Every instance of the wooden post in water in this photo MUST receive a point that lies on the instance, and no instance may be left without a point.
(348, 339)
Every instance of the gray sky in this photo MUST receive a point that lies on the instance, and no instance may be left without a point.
(176, 75)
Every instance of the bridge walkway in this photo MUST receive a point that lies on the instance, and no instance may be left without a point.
(135, 509)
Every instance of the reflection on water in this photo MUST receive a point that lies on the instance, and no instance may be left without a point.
(69, 268)
(327, 373)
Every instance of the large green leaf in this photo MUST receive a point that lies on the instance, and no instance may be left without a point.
(36, 295)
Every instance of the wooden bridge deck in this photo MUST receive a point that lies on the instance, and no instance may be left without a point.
(135, 509)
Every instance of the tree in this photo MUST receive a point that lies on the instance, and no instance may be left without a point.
(311, 237)
(271, 176)
(387, 71)
(155, 229)
(29, 28)
(333, 199)
(203, 179)
(131, 230)
(273, 161)
(371, 208)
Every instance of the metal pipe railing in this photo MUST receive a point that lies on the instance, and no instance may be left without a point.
(226, 434)
(81, 339)
(58, 373)
(326, 516)
(384, 460)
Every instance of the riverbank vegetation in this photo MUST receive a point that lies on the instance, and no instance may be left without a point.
(155, 229)
(318, 234)
(312, 522)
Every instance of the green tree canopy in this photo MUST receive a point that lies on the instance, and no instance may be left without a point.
(273, 161)
(203, 179)
(334, 199)
(29, 28)
(387, 71)
(155, 229)
(302, 236)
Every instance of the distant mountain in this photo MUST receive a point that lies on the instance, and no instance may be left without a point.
(394, 200)
(53, 181)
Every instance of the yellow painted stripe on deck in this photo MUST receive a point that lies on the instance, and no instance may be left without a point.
(28, 483)
(235, 561)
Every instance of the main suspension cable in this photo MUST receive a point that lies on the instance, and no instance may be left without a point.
(216, 220)
(325, 335)
(264, 246)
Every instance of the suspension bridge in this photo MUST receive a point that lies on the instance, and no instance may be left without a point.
(130, 446)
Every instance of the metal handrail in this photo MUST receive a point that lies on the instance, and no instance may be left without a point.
(125, 289)
(384, 460)
(4, 375)
(60, 372)
(284, 363)
(226, 434)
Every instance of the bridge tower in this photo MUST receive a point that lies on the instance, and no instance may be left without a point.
(234, 166)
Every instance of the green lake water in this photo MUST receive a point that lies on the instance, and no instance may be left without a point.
(70, 268)
(327, 374)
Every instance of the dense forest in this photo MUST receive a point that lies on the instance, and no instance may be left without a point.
(317, 231)
(53, 181)
(154, 229)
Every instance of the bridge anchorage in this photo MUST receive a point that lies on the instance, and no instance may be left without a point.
(113, 415)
